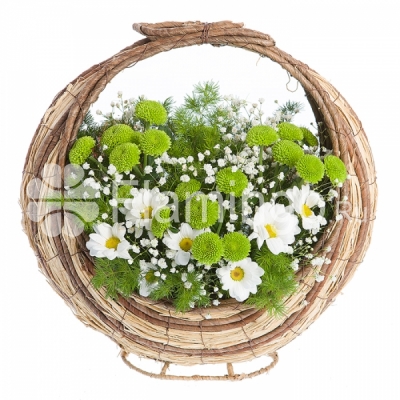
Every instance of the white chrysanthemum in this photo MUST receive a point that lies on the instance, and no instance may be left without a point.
(182, 242)
(275, 226)
(303, 200)
(240, 278)
(142, 208)
(109, 241)
(148, 279)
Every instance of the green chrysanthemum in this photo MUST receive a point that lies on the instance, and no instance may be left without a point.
(185, 189)
(125, 156)
(81, 150)
(287, 152)
(207, 248)
(155, 142)
(151, 111)
(310, 168)
(161, 221)
(201, 212)
(231, 182)
(335, 169)
(124, 192)
(236, 246)
(288, 131)
(308, 137)
(261, 135)
(118, 134)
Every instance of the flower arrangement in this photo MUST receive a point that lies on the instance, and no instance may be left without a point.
(202, 202)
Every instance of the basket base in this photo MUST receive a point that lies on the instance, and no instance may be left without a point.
(231, 376)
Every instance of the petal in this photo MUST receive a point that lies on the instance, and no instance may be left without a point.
(182, 257)
(275, 245)
(313, 199)
(186, 231)
(104, 230)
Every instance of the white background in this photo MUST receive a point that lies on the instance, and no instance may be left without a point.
(352, 350)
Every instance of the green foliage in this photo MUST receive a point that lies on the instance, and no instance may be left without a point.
(184, 298)
(277, 283)
(117, 276)
(199, 109)
(89, 127)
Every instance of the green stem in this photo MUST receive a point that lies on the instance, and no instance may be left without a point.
(138, 171)
(222, 221)
(99, 165)
(260, 159)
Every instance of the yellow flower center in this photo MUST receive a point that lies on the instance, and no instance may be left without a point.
(186, 244)
(147, 213)
(307, 212)
(150, 278)
(237, 274)
(271, 231)
(112, 243)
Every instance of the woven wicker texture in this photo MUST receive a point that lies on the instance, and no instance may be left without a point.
(234, 332)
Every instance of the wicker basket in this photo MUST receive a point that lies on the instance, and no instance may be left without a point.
(235, 332)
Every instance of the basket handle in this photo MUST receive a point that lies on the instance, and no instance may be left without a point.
(231, 376)
(205, 30)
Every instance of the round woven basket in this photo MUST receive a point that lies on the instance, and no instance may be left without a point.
(231, 332)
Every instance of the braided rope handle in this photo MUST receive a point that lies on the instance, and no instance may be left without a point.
(231, 376)
(186, 30)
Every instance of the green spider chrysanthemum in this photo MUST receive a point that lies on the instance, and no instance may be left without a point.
(125, 156)
(236, 246)
(207, 248)
(155, 142)
(161, 222)
(81, 150)
(261, 135)
(287, 152)
(201, 212)
(118, 134)
(310, 168)
(185, 189)
(151, 111)
(288, 131)
(335, 169)
(231, 182)
(124, 192)
(308, 137)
